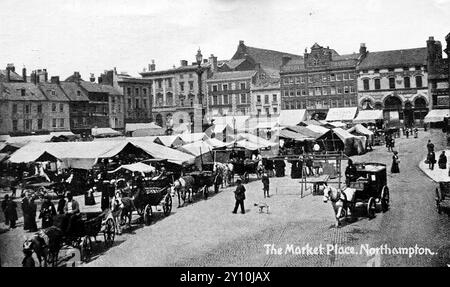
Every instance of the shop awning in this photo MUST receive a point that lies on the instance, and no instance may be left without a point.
(435, 116)
(368, 116)
(136, 167)
(287, 134)
(292, 117)
(341, 114)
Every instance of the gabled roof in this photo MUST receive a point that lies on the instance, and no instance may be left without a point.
(394, 58)
(267, 58)
(12, 91)
(49, 88)
(99, 88)
(71, 90)
(232, 75)
(13, 76)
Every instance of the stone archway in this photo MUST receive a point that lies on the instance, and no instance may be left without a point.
(420, 110)
(393, 110)
(367, 104)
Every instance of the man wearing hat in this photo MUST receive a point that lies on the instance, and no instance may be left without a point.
(47, 212)
(239, 195)
(71, 210)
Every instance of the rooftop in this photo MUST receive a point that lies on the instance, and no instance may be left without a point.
(13, 91)
(53, 92)
(71, 90)
(394, 58)
(232, 75)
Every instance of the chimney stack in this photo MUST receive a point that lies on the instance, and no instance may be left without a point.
(8, 75)
(99, 80)
(213, 62)
(54, 80)
(183, 63)
(11, 67)
(152, 66)
(362, 49)
(45, 76)
(33, 77)
(92, 78)
(285, 60)
(24, 74)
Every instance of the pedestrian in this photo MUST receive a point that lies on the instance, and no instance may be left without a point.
(430, 146)
(25, 211)
(266, 182)
(9, 209)
(416, 133)
(239, 195)
(71, 211)
(350, 173)
(28, 260)
(395, 161)
(407, 133)
(4, 205)
(61, 204)
(442, 162)
(431, 159)
(47, 212)
(32, 209)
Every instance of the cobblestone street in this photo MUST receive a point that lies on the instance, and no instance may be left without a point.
(206, 233)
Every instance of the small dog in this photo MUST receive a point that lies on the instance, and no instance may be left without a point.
(261, 207)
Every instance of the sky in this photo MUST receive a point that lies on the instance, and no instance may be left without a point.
(93, 36)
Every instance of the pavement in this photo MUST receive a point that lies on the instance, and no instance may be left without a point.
(206, 233)
(437, 174)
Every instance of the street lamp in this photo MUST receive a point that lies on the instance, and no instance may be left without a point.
(199, 58)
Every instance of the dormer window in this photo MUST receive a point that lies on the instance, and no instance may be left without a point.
(79, 93)
(53, 92)
(22, 92)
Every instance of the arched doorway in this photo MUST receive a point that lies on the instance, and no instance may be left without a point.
(159, 120)
(408, 115)
(392, 111)
(420, 110)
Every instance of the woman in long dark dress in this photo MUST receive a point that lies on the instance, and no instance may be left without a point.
(395, 168)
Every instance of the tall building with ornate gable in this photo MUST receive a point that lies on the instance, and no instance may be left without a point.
(323, 79)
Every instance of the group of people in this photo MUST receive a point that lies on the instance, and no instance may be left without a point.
(431, 157)
(407, 131)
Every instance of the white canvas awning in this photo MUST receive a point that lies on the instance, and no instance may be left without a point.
(66, 134)
(136, 167)
(435, 116)
(104, 132)
(292, 117)
(368, 116)
(169, 141)
(341, 114)
(140, 126)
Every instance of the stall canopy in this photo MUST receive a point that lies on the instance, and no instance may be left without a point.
(287, 134)
(23, 140)
(317, 129)
(215, 143)
(65, 134)
(361, 130)
(140, 126)
(292, 117)
(136, 167)
(336, 125)
(148, 132)
(104, 132)
(368, 116)
(256, 140)
(161, 152)
(341, 114)
(435, 116)
(249, 145)
(311, 122)
(194, 137)
(169, 141)
(219, 131)
(196, 148)
(235, 122)
(308, 133)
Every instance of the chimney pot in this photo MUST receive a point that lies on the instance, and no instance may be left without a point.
(241, 42)
(431, 38)
(24, 74)
(54, 80)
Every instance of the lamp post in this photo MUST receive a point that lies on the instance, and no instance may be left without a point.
(199, 71)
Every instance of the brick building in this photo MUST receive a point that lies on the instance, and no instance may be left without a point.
(31, 107)
(396, 82)
(229, 89)
(323, 79)
(438, 74)
(137, 95)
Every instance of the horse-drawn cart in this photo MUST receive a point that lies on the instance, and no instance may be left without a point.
(244, 168)
(370, 187)
(442, 196)
(156, 192)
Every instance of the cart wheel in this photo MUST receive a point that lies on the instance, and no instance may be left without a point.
(438, 200)
(86, 248)
(148, 214)
(167, 206)
(343, 213)
(110, 232)
(385, 199)
(371, 206)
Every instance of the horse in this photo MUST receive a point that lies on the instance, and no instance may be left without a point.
(182, 186)
(339, 201)
(45, 244)
(122, 208)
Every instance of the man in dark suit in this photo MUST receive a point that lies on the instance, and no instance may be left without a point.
(239, 195)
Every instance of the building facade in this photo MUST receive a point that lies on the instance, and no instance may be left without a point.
(175, 93)
(438, 74)
(79, 116)
(265, 98)
(323, 79)
(230, 88)
(396, 82)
